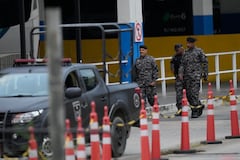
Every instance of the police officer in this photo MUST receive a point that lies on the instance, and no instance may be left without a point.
(146, 71)
(175, 63)
(193, 67)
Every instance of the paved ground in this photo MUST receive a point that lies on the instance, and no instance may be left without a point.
(169, 100)
(170, 128)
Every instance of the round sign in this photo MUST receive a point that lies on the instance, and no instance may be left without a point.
(138, 32)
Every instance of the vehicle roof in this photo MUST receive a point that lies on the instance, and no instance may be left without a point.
(43, 68)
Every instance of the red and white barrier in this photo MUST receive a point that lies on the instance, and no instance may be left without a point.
(185, 142)
(32, 149)
(145, 150)
(210, 119)
(81, 150)
(69, 146)
(106, 137)
(94, 133)
(233, 114)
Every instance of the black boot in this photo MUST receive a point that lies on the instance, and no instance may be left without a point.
(200, 110)
(195, 113)
(179, 111)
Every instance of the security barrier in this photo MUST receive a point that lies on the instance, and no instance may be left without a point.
(163, 68)
(233, 114)
(78, 152)
(185, 139)
(210, 136)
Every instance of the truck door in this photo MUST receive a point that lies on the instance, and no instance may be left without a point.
(73, 105)
(95, 90)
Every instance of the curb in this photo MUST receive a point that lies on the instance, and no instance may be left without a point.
(171, 107)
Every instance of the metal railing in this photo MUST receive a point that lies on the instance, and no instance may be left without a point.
(217, 72)
(107, 77)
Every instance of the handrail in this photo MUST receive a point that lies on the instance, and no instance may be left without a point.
(217, 72)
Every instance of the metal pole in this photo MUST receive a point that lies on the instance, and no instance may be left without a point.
(162, 64)
(105, 71)
(217, 72)
(22, 28)
(120, 57)
(234, 67)
(56, 108)
(78, 32)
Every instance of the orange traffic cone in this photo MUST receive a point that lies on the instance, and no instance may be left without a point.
(94, 136)
(185, 145)
(156, 149)
(155, 131)
(145, 151)
(69, 147)
(106, 137)
(233, 113)
(32, 150)
(81, 151)
(210, 119)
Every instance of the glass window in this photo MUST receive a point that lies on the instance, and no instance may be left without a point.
(71, 80)
(34, 84)
(89, 78)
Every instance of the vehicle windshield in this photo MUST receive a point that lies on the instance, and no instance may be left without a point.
(24, 84)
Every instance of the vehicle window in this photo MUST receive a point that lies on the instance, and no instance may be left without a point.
(24, 84)
(89, 78)
(71, 80)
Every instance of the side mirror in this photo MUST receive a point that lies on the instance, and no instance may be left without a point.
(73, 92)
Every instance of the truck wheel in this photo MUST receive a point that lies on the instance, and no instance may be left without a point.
(46, 147)
(119, 137)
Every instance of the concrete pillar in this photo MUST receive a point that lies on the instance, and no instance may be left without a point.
(202, 17)
(130, 12)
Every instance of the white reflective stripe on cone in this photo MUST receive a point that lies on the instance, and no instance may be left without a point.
(155, 115)
(81, 154)
(233, 108)
(94, 137)
(143, 121)
(106, 128)
(70, 157)
(94, 125)
(144, 132)
(232, 98)
(185, 109)
(106, 140)
(210, 112)
(69, 144)
(155, 127)
(80, 140)
(33, 154)
(210, 101)
(184, 119)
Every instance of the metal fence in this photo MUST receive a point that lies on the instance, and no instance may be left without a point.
(215, 71)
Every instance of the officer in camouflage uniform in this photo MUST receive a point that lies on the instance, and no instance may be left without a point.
(146, 72)
(193, 67)
(175, 63)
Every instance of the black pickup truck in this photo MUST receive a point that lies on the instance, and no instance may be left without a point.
(24, 102)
